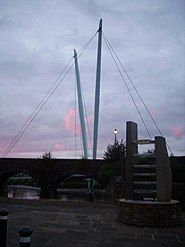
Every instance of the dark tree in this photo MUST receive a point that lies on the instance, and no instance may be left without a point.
(47, 172)
(115, 152)
(47, 155)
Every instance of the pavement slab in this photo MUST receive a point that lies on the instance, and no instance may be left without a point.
(83, 224)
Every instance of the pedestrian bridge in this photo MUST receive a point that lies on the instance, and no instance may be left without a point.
(48, 172)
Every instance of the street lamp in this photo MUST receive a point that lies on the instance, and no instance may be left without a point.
(115, 135)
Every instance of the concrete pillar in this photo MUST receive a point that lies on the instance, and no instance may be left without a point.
(131, 148)
(163, 170)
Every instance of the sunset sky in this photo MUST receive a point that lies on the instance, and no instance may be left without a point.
(37, 38)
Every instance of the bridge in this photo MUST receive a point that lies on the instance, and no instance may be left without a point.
(84, 126)
(49, 173)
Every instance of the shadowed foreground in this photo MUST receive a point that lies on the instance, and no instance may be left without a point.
(83, 224)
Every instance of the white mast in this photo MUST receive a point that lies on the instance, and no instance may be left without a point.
(97, 91)
(80, 107)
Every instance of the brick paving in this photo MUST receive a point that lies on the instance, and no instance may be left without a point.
(83, 224)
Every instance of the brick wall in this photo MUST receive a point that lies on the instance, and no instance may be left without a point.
(151, 214)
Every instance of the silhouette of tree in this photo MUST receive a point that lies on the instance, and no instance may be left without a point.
(115, 152)
(47, 155)
(47, 171)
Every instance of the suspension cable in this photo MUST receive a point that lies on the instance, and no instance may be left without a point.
(36, 108)
(33, 117)
(137, 92)
(44, 100)
(127, 87)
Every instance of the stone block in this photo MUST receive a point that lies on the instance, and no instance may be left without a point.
(151, 214)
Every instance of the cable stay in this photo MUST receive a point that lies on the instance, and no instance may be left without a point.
(44, 100)
(18, 136)
(127, 88)
(114, 55)
(35, 110)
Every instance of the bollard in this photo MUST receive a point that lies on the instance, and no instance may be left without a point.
(25, 236)
(3, 226)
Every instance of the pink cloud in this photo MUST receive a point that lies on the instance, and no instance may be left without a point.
(90, 146)
(178, 132)
(70, 122)
(90, 119)
(155, 112)
(59, 146)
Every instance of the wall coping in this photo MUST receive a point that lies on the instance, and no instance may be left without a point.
(148, 202)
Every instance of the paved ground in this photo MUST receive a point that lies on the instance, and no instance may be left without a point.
(83, 224)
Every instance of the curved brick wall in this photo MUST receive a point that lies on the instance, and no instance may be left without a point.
(152, 214)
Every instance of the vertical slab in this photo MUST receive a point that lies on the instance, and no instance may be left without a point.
(163, 170)
(131, 148)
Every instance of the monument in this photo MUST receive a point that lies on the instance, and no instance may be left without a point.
(148, 182)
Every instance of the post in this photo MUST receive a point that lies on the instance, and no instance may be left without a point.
(123, 166)
(3, 226)
(25, 236)
(90, 189)
(97, 91)
(163, 170)
(80, 106)
(131, 148)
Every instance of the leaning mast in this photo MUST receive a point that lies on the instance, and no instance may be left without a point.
(80, 106)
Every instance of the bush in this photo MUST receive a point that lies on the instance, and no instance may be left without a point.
(108, 170)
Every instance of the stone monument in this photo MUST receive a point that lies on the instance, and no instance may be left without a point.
(148, 183)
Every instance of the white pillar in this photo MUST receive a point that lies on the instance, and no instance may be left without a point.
(97, 91)
(80, 107)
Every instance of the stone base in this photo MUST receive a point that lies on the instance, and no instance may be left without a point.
(149, 213)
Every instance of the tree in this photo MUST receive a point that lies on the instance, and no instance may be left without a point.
(115, 157)
(115, 152)
(47, 155)
(47, 172)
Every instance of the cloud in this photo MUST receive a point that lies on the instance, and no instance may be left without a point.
(70, 124)
(178, 132)
(59, 146)
(90, 119)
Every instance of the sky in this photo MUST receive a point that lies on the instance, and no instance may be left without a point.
(37, 38)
